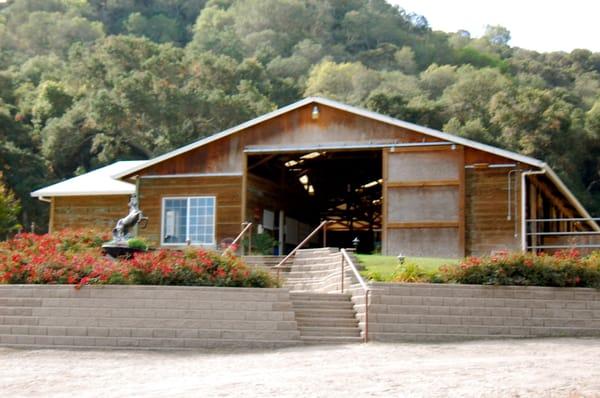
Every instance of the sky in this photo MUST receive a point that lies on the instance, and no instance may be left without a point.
(551, 25)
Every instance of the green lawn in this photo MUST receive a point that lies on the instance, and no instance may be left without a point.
(385, 266)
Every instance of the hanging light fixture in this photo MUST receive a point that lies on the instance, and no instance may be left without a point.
(315, 112)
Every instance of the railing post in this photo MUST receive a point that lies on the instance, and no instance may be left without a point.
(367, 316)
(325, 235)
(342, 273)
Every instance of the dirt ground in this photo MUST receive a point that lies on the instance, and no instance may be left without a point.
(506, 368)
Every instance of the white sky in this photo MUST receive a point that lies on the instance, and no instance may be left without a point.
(551, 25)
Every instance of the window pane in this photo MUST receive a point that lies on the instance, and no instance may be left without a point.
(175, 219)
(202, 212)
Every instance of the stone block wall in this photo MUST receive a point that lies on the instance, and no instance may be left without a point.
(156, 317)
(441, 312)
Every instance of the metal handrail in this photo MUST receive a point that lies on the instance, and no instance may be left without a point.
(300, 245)
(363, 284)
(237, 238)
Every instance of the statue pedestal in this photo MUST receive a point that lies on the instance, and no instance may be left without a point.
(119, 249)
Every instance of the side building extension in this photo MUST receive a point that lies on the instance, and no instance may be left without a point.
(94, 199)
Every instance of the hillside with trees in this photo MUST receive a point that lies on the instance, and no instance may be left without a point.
(86, 82)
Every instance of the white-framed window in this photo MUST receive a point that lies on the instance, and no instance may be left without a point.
(188, 219)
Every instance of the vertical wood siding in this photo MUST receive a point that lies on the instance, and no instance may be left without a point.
(227, 190)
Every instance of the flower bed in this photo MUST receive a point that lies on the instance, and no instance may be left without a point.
(563, 269)
(75, 257)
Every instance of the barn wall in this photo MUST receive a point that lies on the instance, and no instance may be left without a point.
(227, 190)
(486, 211)
(423, 199)
(87, 211)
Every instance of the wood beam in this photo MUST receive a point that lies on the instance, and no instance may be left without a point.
(424, 183)
(433, 148)
(423, 224)
(262, 161)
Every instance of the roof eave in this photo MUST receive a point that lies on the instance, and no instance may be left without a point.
(38, 194)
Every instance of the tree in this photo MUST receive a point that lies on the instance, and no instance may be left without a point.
(9, 211)
(347, 82)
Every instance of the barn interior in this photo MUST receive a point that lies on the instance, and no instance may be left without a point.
(299, 190)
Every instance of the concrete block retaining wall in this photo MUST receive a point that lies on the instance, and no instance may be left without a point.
(432, 312)
(158, 317)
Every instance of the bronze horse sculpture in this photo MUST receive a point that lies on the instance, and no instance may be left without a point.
(124, 225)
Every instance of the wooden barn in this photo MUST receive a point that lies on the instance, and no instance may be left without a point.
(396, 186)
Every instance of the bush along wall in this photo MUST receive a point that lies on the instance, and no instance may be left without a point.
(75, 257)
(563, 269)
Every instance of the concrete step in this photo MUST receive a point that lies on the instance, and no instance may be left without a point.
(314, 340)
(327, 322)
(329, 331)
(319, 296)
(330, 260)
(324, 313)
(314, 304)
(317, 266)
(318, 250)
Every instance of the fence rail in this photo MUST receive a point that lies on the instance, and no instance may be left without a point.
(555, 240)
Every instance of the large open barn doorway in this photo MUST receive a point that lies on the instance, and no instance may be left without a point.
(289, 194)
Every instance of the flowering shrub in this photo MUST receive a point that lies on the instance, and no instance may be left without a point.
(563, 269)
(75, 257)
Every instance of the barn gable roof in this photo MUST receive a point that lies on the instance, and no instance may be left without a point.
(374, 116)
(343, 107)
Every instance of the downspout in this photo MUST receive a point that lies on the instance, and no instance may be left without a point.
(524, 205)
(136, 229)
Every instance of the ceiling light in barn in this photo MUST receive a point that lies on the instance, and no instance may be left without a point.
(303, 179)
(291, 163)
(311, 155)
(311, 190)
(372, 183)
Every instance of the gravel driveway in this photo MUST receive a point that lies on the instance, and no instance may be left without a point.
(505, 368)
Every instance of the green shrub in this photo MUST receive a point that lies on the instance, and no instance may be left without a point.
(262, 244)
(411, 272)
(563, 269)
(137, 243)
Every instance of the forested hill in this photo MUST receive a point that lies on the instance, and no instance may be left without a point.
(84, 83)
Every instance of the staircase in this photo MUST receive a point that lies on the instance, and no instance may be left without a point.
(325, 318)
(323, 314)
(318, 270)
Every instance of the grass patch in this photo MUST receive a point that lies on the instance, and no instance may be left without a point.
(384, 268)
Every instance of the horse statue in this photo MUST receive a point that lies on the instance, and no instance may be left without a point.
(121, 230)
